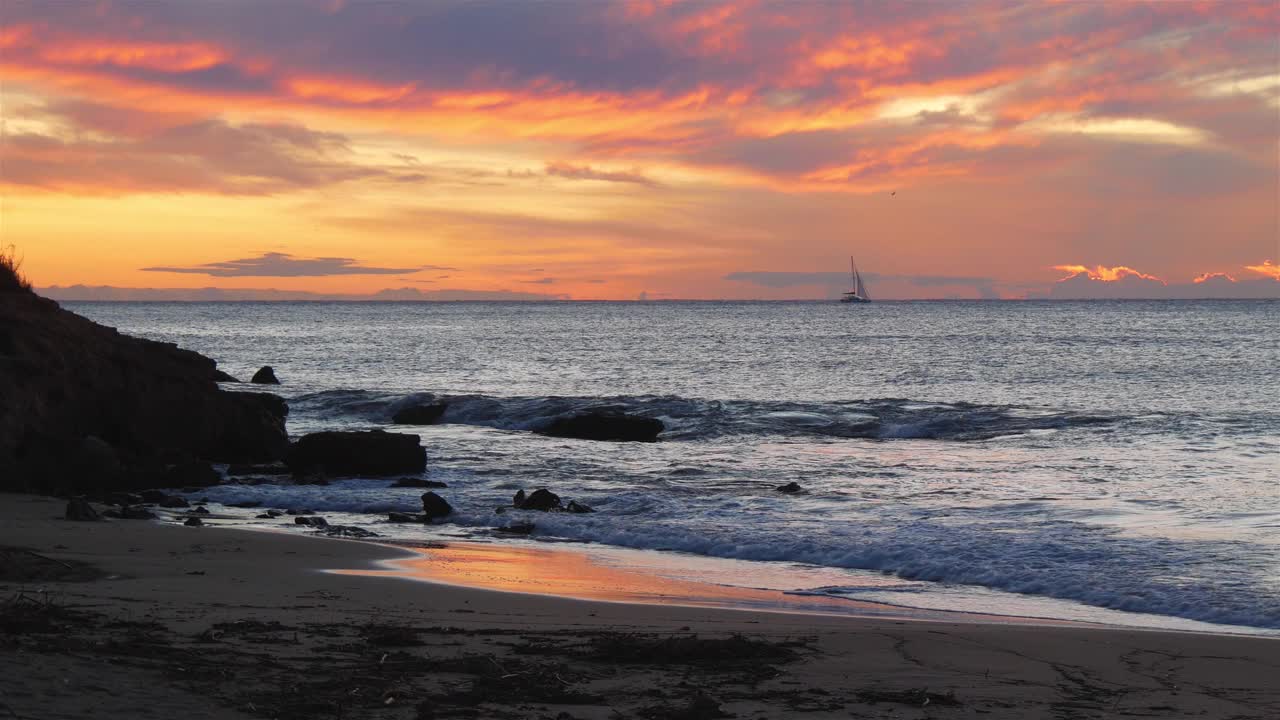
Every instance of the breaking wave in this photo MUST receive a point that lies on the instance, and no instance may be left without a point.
(692, 419)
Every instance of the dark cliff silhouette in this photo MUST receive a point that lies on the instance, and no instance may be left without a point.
(85, 408)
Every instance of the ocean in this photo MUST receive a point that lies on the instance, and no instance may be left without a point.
(1114, 462)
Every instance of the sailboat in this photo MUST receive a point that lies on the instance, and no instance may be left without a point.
(859, 292)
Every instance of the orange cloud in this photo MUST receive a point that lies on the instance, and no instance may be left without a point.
(1205, 277)
(1105, 274)
(1266, 268)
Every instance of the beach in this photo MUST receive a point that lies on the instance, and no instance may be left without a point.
(140, 619)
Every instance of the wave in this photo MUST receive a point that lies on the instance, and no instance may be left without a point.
(691, 418)
(1209, 581)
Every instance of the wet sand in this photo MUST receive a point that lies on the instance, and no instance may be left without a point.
(132, 619)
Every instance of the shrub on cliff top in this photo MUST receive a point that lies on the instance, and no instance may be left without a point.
(11, 277)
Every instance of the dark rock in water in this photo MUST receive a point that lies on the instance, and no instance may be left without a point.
(298, 511)
(576, 507)
(434, 506)
(243, 469)
(348, 531)
(193, 522)
(399, 517)
(201, 510)
(523, 528)
(123, 499)
(790, 487)
(173, 501)
(80, 509)
(314, 521)
(153, 496)
(136, 513)
(357, 453)
(264, 376)
(605, 426)
(428, 414)
(419, 483)
(518, 499)
(194, 474)
(542, 500)
(219, 376)
(80, 396)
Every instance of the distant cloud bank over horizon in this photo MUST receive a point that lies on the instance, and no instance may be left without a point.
(105, 293)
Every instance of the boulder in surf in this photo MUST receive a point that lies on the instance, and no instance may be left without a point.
(357, 453)
(614, 427)
(424, 414)
(265, 376)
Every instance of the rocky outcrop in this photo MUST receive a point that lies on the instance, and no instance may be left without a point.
(84, 408)
(542, 500)
(434, 506)
(789, 488)
(605, 426)
(426, 414)
(80, 509)
(265, 376)
(374, 453)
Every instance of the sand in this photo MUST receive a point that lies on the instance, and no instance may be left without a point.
(134, 619)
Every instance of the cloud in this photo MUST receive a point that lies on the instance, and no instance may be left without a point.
(586, 172)
(285, 265)
(84, 293)
(92, 147)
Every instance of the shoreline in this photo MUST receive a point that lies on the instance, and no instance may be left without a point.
(232, 623)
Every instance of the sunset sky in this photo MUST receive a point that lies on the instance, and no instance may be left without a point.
(607, 149)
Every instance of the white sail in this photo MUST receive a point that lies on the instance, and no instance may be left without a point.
(859, 291)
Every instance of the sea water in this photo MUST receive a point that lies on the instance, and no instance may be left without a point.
(1098, 461)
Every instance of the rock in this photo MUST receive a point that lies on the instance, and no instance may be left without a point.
(220, 376)
(274, 513)
(576, 507)
(399, 517)
(314, 521)
(265, 516)
(79, 395)
(195, 474)
(518, 499)
(201, 510)
(193, 522)
(153, 496)
(426, 414)
(264, 376)
(357, 453)
(605, 426)
(348, 531)
(434, 506)
(299, 511)
(790, 487)
(79, 509)
(123, 499)
(418, 483)
(173, 501)
(542, 500)
(523, 528)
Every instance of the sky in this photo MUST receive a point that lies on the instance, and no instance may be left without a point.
(648, 148)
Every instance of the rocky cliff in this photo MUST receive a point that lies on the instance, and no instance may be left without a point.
(85, 408)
